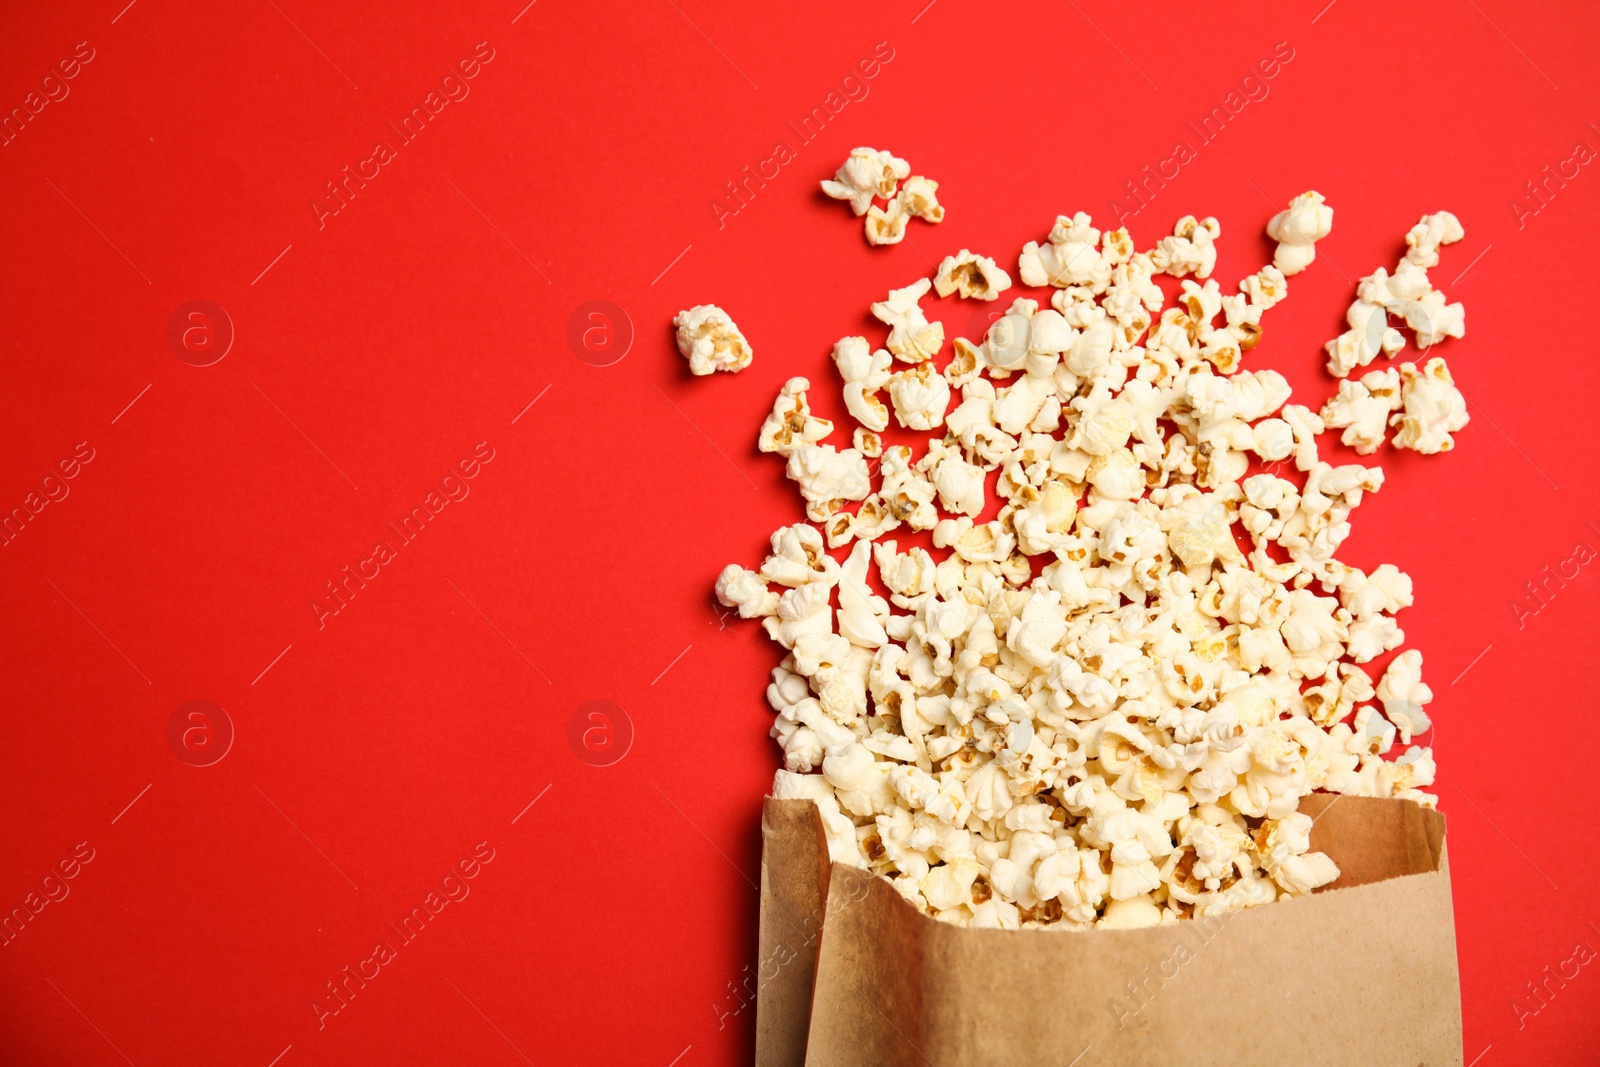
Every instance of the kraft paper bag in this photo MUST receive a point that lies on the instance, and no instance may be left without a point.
(1363, 972)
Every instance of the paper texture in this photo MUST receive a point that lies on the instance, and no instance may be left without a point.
(1361, 973)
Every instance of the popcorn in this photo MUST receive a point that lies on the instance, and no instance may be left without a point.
(919, 199)
(710, 341)
(1362, 409)
(866, 174)
(867, 442)
(1191, 249)
(1102, 694)
(1424, 239)
(920, 396)
(974, 277)
(791, 422)
(887, 225)
(864, 373)
(828, 478)
(1406, 294)
(869, 174)
(742, 589)
(1297, 229)
(1265, 288)
(1434, 408)
(1403, 694)
(1070, 258)
(912, 338)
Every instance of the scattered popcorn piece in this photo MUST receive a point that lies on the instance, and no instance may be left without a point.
(919, 199)
(920, 396)
(747, 591)
(710, 341)
(1265, 288)
(1424, 239)
(887, 225)
(870, 174)
(866, 174)
(864, 372)
(867, 442)
(791, 422)
(1362, 409)
(1403, 693)
(1070, 257)
(912, 337)
(1434, 408)
(974, 277)
(1297, 229)
(827, 477)
(1192, 248)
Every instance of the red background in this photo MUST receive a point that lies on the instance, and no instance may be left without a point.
(425, 316)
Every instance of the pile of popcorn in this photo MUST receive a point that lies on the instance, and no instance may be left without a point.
(1104, 703)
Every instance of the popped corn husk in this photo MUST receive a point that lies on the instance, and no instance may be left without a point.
(1362, 972)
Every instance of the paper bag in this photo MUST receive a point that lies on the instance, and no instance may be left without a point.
(1361, 973)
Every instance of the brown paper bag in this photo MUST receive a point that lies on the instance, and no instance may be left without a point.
(1361, 973)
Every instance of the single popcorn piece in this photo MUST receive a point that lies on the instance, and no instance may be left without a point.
(1434, 408)
(1297, 229)
(974, 277)
(1362, 409)
(1192, 248)
(887, 225)
(864, 372)
(919, 198)
(920, 396)
(1102, 694)
(868, 442)
(791, 423)
(1265, 288)
(828, 478)
(1432, 320)
(916, 200)
(912, 337)
(1070, 257)
(710, 341)
(1424, 239)
(866, 174)
(1403, 694)
(747, 591)
(1369, 336)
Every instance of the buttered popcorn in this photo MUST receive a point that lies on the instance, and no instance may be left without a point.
(1131, 650)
